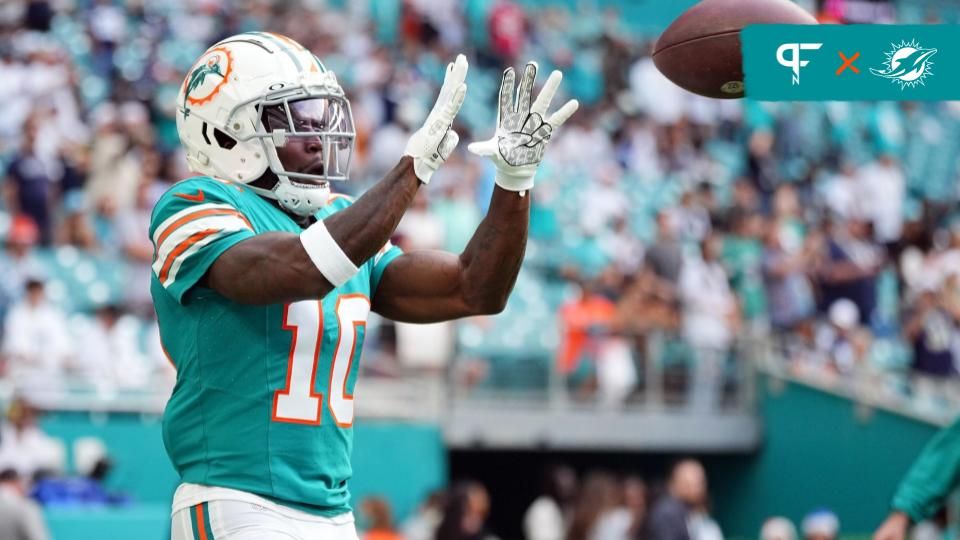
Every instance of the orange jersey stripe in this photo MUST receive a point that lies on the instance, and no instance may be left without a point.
(197, 215)
(181, 247)
(201, 527)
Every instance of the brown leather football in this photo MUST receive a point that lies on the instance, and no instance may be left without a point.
(700, 51)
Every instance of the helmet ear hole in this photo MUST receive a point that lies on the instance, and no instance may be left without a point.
(225, 141)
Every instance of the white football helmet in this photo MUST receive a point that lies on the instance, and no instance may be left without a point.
(242, 80)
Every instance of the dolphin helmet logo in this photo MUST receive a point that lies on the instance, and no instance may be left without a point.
(209, 75)
(907, 64)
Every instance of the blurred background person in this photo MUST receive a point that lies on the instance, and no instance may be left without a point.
(711, 318)
(778, 528)
(379, 518)
(597, 514)
(36, 343)
(24, 447)
(20, 516)
(548, 515)
(465, 513)
(423, 523)
(671, 516)
(821, 524)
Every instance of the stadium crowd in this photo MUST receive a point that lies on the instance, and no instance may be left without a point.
(828, 226)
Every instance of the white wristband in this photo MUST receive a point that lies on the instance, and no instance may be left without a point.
(326, 254)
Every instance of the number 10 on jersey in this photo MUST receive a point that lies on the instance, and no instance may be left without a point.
(298, 402)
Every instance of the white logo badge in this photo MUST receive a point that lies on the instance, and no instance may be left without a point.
(907, 64)
(794, 62)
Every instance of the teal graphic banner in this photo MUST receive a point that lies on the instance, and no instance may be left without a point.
(856, 62)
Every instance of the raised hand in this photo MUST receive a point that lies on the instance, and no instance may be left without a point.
(523, 128)
(433, 143)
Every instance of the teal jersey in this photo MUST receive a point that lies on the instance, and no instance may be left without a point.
(263, 401)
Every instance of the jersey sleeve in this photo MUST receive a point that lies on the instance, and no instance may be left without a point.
(379, 263)
(193, 224)
(932, 476)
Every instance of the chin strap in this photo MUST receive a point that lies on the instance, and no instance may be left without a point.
(294, 199)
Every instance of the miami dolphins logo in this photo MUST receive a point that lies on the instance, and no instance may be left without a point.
(907, 64)
(207, 78)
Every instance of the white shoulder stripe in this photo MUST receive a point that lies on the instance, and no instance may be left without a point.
(175, 268)
(189, 210)
(221, 224)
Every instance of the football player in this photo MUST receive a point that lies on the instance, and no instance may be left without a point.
(263, 280)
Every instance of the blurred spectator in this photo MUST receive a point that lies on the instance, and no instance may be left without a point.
(746, 202)
(885, 190)
(32, 179)
(86, 487)
(419, 228)
(18, 261)
(842, 192)
(622, 247)
(77, 228)
(597, 514)
(762, 165)
(742, 255)
(690, 219)
(108, 352)
(133, 225)
(665, 256)
(548, 515)
(585, 325)
(379, 519)
(670, 516)
(116, 155)
(778, 528)
(791, 300)
(24, 447)
(821, 524)
(850, 267)
(702, 525)
(710, 319)
(508, 30)
(931, 329)
(36, 342)
(654, 94)
(843, 342)
(635, 503)
(465, 513)
(424, 522)
(20, 517)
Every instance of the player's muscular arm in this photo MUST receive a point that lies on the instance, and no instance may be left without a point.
(274, 267)
(431, 286)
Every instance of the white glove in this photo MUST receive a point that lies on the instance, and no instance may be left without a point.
(432, 144)
(522, 133)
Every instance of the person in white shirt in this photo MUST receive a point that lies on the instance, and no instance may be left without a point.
(710, 319)
(546, 518)
(24, 447)
(109, 356)
(883, 190)
(36, 343)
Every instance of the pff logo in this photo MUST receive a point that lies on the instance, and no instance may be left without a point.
(907, 64)
(794, 62)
